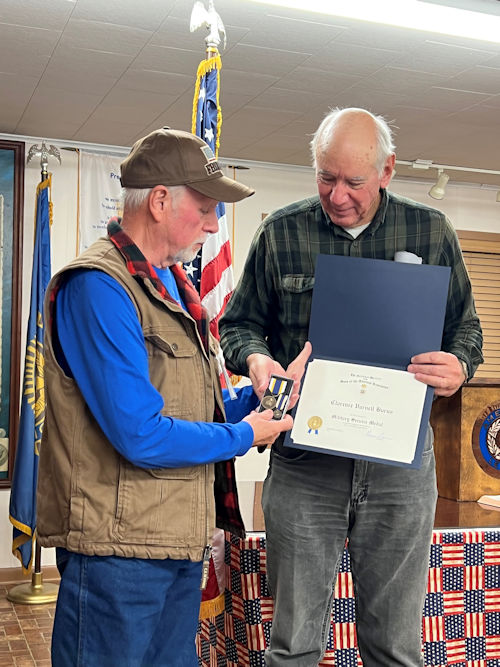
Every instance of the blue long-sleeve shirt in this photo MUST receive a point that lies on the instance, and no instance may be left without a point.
(102, 348)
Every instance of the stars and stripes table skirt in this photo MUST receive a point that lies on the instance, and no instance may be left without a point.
(460, 623)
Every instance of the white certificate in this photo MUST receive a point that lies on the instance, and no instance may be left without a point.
(361, 411)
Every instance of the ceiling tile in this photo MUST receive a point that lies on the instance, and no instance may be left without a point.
(124, 12)
(167, 59)
(442, 58)
(102, 62)
(133, 106)
(246, 82)
(59, 105)
(20, 89)
(231, 102)
(178, 115)
(156, 82)
(113, 132)
(481, 79)
(301, 157)
(232, 143)
(22, 63)
(86, 81)
(377, 36)
(357, 60)
(37, 13)
(308, 79)
(36, 126)
(255, 123)
(266, 152)
(23, 43)
(377, 101)
(481, 115)
(450, 99)
(281, 32)
(493, 101)
(105, 36)
(494, 61)
(275, 62)
(276, 98)
(403, 80)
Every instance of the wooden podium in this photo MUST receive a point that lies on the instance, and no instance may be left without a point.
(467, 441)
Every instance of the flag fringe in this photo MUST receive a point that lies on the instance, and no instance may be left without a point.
(47, 183)
(20, 526)
(20, 541)
(204, 68)
(213, 607)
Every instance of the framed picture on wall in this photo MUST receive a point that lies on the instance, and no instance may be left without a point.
(11, 219)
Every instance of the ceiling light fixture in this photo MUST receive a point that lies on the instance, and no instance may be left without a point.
(438, 189)
(429, 164)
(414, 14)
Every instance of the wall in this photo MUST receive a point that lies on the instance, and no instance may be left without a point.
(469, 208)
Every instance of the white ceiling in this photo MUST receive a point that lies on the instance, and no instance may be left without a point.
(109, 71)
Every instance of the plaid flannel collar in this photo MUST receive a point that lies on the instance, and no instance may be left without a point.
(138, 265)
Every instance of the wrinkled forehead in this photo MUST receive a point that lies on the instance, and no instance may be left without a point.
(350, 161)
(352, 142)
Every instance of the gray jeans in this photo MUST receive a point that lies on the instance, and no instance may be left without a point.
(312, 503)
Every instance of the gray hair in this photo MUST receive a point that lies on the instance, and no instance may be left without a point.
(134, 198)
(323, 135)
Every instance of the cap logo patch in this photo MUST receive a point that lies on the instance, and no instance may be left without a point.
(208, 153)
(212, 168)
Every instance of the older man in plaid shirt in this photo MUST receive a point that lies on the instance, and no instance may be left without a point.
(312, 502)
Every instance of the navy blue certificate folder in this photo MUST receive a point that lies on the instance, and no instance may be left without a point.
(377, 313)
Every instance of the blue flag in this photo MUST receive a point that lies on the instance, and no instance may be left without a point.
(22, 512)
(211, 271)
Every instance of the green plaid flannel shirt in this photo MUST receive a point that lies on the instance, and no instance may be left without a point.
(270, 308)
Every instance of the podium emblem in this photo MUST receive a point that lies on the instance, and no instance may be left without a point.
(486, 440)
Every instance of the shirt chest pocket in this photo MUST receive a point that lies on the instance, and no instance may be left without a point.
(176, 370)
(296, 299)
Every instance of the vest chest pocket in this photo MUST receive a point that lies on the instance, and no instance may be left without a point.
(176, 370)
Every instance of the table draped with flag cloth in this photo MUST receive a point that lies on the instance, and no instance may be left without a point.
(460, 622)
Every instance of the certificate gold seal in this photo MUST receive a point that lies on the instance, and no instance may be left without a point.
(269, 402)
(314, 424)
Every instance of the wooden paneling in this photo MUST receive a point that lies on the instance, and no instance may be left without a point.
(481, 252)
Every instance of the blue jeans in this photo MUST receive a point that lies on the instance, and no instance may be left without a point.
(312, 503)
(126, 612)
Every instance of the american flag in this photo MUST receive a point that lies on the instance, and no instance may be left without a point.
(211, 271)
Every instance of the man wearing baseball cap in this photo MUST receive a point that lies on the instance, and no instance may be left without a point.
(135, 439)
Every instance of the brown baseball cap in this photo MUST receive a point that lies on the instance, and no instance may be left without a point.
(173, 157)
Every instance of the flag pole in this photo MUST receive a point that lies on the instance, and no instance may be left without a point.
(37, 592)
(214, 289)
